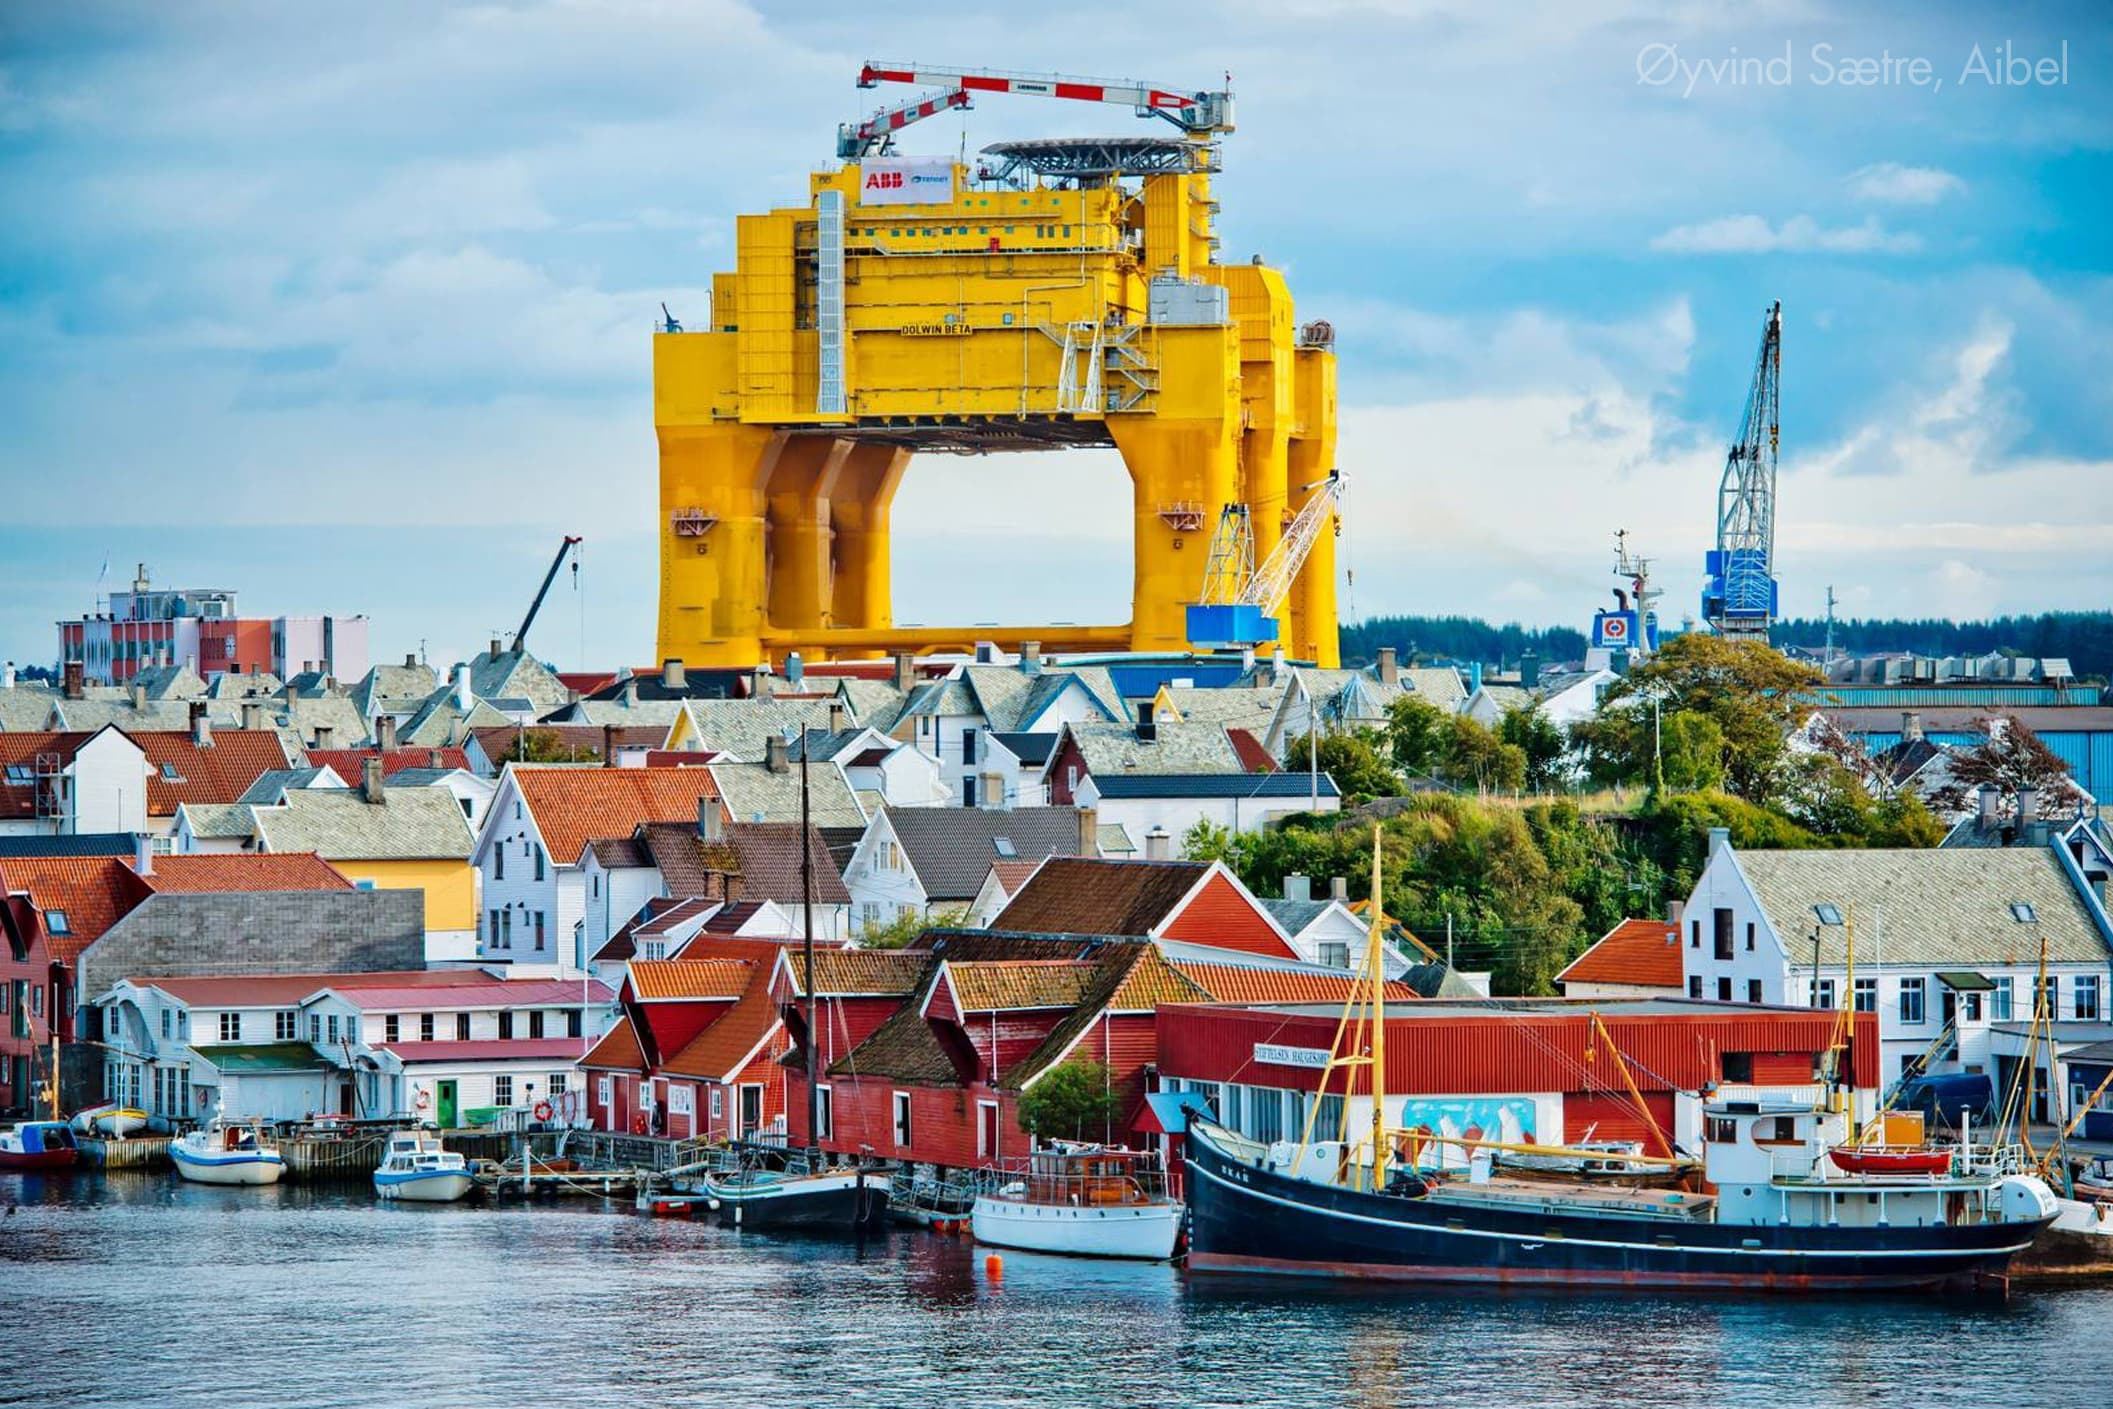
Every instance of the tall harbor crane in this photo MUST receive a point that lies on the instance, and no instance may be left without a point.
(1740, 599)
(571, 544)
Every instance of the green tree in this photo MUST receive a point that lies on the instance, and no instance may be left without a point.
(1536, 736)
(1416, 732)
(1206, 840)
(2011, 759)
(908, 927)
(1752, 693)
(1476, 757)
(1353, 759)
(1075, 1101)
(545, 746)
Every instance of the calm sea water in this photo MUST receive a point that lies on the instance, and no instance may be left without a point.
(141, 1290)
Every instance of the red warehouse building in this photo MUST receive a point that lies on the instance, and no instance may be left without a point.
(1531, 1071)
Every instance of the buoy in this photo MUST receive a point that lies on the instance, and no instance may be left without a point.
(994, 1266)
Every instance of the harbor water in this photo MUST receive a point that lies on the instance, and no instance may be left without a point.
(137, 1289)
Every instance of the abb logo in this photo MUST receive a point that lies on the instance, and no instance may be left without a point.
(884, 181)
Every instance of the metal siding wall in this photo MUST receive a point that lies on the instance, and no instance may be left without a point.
(1614, 1117)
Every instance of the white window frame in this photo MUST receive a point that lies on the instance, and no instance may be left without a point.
(1920, 988)
(718, 1105)
(825, 1113)
(503, 1082)
(982, 1152)
(903, 1126)
(230, 1027)
(605, 1091)
(682, 1099)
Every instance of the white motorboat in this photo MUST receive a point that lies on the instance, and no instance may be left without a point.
(111, 1119)
(419, 1169)
(1085, 1201)
(228, 1152)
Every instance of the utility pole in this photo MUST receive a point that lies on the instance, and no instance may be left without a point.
(814, 1089)
(1831, 602)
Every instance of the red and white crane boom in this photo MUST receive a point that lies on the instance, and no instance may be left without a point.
(1200, 113)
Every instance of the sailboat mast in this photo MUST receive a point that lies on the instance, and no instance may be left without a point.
(1376, 976)
(814, 1076)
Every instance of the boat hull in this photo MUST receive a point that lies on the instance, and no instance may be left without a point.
(227, 1169)
(40, 1161)
(817, 1202)
(431, 1186)
(1145, 1233)
(1254, 1221)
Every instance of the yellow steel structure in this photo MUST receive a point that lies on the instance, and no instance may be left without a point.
(852, 333)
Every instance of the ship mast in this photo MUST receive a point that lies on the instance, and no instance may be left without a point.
(1376, 976)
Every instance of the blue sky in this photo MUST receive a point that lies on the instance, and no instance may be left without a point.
(348, 307)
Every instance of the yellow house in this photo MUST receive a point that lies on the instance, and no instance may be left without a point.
(386, 838)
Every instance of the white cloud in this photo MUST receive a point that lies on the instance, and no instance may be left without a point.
(1800, 234)
(1891, 183)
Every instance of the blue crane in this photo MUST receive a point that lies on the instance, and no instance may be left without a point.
(1741, 597)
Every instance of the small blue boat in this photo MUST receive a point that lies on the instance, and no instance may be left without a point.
(419, 1169)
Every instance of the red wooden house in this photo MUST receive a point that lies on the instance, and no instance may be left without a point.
(51, 908)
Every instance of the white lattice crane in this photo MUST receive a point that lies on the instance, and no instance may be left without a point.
(1240, 598)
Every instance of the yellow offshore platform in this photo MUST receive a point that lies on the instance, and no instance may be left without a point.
(1061, 293)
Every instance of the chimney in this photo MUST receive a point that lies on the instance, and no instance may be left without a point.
(671, 676)
(142, 854)
(1147, 726)
(711, 821)
(201, 725)
(1339, 889)
(7, 676)
(1276, 666)
(2028, 806)
(795, 671)
(760, 684)
(1030, 657)
(1089, 831)
(775, 757)
(608, 746)
(1910, 727)
(630, 695)
(322, 736)
(494, 652)
(1991, 807)
(74, 685)
(385, 732)
(1675, 912)
(1158, 845)
(1530, 670)
(330, 684)
(836, 716)
(410, 660)
(139, 695)
(463, 699)
(1719, 840)
(1298, 888)
(433, 758)
(1389, 670)
(905, 670)
(252, 714)
(371, 779)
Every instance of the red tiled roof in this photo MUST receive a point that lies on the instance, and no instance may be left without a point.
(490, 1049)
(1233, 983)
(1254, 756)
(218, 874)
(1013, 874)
(347, 763)
(1635, 953)
(217, 772)
(95, 892)
(618, 1048)
(1002, 985)
(858, 973)
(664, 980)
(574, 805)
(586, 682)
(1089, 895)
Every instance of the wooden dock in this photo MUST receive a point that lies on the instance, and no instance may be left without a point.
(333, 1156)
(137, 1152)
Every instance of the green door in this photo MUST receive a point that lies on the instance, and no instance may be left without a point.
(444, 1105)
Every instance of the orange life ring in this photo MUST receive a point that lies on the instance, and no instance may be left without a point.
(542, 1110)
(638, 1123)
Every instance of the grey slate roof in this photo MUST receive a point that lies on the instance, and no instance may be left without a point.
(875, 703)
(275, 783)
(1233, 706)
(744, 728)
(1111, 750)
(1926, 907)
(952, 848)
(393, 688)
(515, 674)
(753, 793)
(234, 685)
(223, 821)
(24, 708)
(1295, 915)
(169, 682)
(260, 932)
(409, 824)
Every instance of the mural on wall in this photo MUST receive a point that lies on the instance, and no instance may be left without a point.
(1428, 1124)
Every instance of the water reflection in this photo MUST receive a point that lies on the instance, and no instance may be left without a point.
(325, 1296)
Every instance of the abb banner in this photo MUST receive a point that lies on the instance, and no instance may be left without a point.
(905, 181)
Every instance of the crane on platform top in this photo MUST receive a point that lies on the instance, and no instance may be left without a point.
(1200, 114)
(570, 544)
(1240, 598)
(1741, 596)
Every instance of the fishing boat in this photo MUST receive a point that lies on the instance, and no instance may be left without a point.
(111, 1119)
(1084, 1201)
(228, 1152)
(38, 1145)
(773, 1195)
(2093, 1180)
(1777, 1212)
(417, 1168)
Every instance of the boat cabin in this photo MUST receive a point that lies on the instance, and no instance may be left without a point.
(1088, 1176)
(41, 1137)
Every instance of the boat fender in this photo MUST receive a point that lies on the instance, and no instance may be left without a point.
(542, 1111)
(712, 1204)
